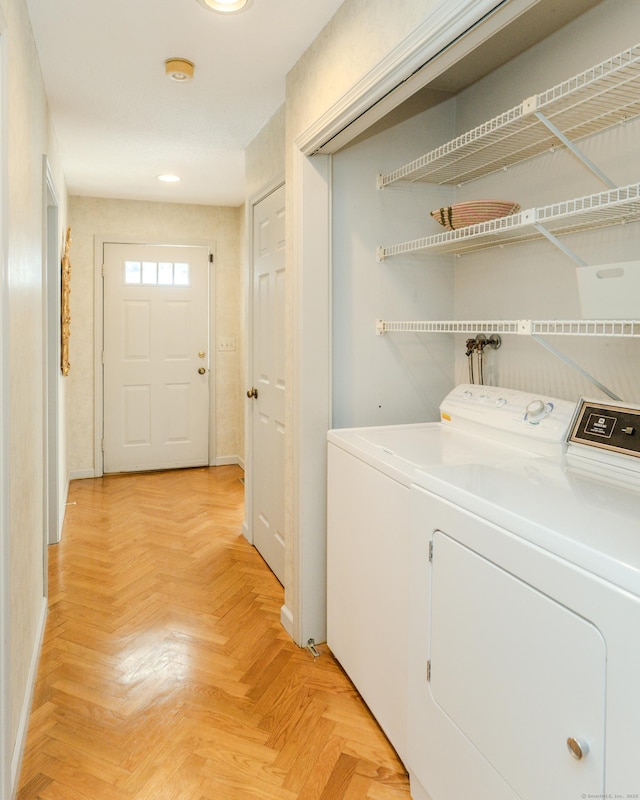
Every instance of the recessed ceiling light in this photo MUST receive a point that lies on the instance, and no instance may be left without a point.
(168, 178)
(226, 6)
(179, 69)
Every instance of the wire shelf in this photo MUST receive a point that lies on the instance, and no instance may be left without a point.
(629, 329)
(616, 206)
(606, 94)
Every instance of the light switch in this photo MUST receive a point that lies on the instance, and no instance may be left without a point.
(227, 343)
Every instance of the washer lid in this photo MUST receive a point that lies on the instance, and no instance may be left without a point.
(400, 450)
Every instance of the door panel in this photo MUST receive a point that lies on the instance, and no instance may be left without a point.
(156, 326)
(268, 422)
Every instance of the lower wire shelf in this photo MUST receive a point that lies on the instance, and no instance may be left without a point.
(536, 329)
(527, 327)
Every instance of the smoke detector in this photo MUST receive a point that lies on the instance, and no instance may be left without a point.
(179, 69)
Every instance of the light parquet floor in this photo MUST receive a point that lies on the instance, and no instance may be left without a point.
(165, 673)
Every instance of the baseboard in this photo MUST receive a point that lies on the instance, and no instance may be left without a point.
(81, 474)
(220, 461)
(23, 725)
(286, 620)
(223, 461)
(63, 509)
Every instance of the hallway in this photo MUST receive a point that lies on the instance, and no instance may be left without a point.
(165, 673)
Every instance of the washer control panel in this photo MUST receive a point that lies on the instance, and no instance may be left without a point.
(607, 426)
(524, 419)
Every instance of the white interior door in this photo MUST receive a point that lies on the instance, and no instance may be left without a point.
(268, 413)
(156, 357)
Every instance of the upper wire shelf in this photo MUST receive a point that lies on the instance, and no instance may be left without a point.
(592, 211)
(590, 102)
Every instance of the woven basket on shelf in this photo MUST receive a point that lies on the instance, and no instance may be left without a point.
(460, 215)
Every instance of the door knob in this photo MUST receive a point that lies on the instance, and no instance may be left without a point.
(201, 371)
(253, 392)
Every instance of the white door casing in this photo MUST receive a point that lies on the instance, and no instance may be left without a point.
(267, 414)
(7, 773)
(53, 479)
(156, 357)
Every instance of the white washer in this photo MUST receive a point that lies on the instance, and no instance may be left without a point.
(525, 611)
(370, 472)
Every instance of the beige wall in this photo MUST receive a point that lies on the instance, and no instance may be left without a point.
(360, 35)
(154, 222)
(265, 155)
(29, 137)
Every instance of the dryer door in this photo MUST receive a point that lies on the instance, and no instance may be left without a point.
(518, 674)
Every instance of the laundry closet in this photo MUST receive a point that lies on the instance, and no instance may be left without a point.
(450, 339)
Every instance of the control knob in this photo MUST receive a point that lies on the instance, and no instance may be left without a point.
(537, 410)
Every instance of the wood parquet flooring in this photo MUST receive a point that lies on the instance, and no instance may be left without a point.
(165, 673)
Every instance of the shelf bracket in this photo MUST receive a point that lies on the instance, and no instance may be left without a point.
(574, 366)
(561, 245)
(578, 153)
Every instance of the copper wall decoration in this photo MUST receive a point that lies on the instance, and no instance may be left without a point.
(65, 309)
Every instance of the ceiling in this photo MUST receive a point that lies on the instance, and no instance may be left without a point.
(120, 122)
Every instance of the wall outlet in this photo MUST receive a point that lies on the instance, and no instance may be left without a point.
(226, 344)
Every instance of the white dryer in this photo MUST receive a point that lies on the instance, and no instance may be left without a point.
(525, 619)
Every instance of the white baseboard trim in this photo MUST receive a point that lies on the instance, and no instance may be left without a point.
(223, 461)
(81, 474)
(286, 620)
(23, 725)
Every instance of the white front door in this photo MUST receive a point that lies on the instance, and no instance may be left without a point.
(268, 413)
(156, 357)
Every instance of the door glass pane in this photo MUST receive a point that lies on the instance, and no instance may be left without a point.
(181, 274)
(132, 272)
(165, 273)
(149, 272)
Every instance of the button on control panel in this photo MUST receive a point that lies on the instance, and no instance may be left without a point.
(608, 427)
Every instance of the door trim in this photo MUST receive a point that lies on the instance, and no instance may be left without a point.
(304, 614)
(6, 746)
(254, 200)
(53, 502)
(444, 37)
(98, 255)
